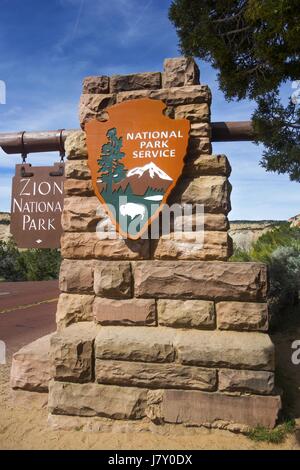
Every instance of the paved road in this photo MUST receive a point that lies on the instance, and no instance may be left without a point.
(27, 311)
(15, 294)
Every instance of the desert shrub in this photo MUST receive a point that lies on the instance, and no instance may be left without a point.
(273, 436)
(283, 236)
(28, 265)
(263, 248)
(284, 270)
(41, 264)
(280, 250)
(11, 263)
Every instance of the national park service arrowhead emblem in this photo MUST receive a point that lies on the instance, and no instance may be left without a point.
(136, 158)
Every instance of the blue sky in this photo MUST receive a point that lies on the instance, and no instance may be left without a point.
(47, 47)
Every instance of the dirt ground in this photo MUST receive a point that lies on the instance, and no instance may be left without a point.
(22, 428)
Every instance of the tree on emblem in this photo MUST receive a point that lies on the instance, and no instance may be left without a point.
(111, 169)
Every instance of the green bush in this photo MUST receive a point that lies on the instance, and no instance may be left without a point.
(280, 250)
(263, 248)
(28, 265)
(11, 263)
(273, 436)
(284, 269)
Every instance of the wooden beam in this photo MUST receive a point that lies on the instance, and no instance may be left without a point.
(52, 141)
(42, 141)
(232, 131)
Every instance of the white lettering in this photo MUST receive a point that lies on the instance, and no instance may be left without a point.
(35, 206)
(47, 186)
(50, 224)
(26, 220)
(59, 188)
(27, 181)
(15, 203)
(154, 135)
(167, 153)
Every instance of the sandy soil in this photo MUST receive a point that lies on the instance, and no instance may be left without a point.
(27, 429)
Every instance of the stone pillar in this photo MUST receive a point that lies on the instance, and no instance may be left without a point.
(161, 331)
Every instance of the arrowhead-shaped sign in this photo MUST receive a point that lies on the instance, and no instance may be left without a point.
(136, 158)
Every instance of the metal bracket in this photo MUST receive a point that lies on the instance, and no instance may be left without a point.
(23, 149)
(62, 152)
(24, 173)
(60, 172)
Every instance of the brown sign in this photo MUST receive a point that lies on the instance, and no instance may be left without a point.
(36, 207)
(136, 158)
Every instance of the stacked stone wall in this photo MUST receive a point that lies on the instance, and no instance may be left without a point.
(163, 330)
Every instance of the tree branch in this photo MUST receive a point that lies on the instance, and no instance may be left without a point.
(235, 31)
(227, 19)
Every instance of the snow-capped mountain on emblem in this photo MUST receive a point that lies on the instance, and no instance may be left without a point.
(152, 169)
(144, 178)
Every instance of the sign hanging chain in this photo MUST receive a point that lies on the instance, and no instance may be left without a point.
(24, 155)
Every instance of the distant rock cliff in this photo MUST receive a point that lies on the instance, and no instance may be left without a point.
(244, 233)
(4, 226)
(295, 221)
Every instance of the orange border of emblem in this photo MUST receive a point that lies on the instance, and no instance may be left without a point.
(144, 135)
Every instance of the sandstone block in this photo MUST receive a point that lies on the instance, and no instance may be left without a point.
(73, 308)
(198, 408)
(140, 344)
(186, 313)
(31, 366)
(242, 316)
(174, 96)
(138, 81)
(113, 279)
(142, 374)
(183, 95)
(124, 312)
(73, 187)
(211, 191)
(82, 214)
(197, 147)
(246, 381)
(200, 129)
(72, 352)
(180, 71)
(225, 349)
(76, 276)
(90, 246)
(93, 106)
(211, 165)
(210, 222)
(75, 145)
(196, 113)
(96, 85)
(199, 279)
(132, 95)
(93, 399)
(194, 245)
(77, 169)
